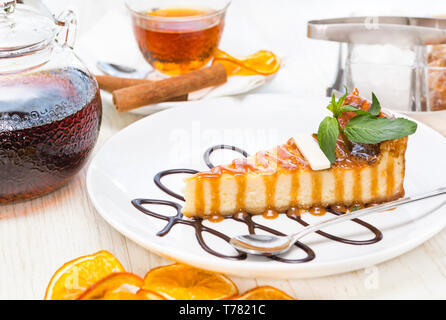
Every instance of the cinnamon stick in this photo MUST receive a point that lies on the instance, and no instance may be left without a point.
(110, 84)
(140, 95)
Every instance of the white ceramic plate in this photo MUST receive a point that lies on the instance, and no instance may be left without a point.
(125, 167)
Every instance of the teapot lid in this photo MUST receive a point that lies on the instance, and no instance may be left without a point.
(23, 29)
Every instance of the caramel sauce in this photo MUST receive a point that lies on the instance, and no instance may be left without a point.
(199, 196)
(357, 190)
(294, 191)
(215, 195)
(317, 187)
(318, 211)
(241, 191)
(374, 182)
(390, 176)
(216, 219)
(285, 157)
(340, 208)
(237, 167)
(271, 215)
(339, 184)
(346, 159)
(289, 156)
(270, 192)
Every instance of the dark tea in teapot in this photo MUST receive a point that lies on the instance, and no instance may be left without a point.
(49, 123)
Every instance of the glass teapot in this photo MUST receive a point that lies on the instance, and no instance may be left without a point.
(50, 106)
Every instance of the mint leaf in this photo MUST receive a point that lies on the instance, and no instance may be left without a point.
(342, 99)
(349, 108)
(375, 109)
(328, 134)
(333, 106)
(370, 130)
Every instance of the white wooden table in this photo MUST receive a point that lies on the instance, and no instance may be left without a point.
(38, 236)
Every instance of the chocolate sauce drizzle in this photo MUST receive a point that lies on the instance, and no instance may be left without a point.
(245, 218)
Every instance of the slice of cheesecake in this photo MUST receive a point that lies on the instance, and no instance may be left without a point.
(282, 178)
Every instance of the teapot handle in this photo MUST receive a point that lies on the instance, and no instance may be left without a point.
(67, 20)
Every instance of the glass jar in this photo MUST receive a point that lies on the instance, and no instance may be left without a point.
(401, 59)
(407, 79)
(50, 105)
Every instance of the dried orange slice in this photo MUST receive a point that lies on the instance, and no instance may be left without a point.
(117, 296)
(260, 63)
(149, 295)
(74, 277)
(264, 293)
(117, 286)
(182, 282)
(123, 295)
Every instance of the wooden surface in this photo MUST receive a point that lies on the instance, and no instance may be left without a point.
(38, 236)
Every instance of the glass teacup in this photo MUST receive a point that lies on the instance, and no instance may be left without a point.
(177, 37)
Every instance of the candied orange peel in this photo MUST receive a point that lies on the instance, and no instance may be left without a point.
(262, 62)
(264, 293)
(182, 282)
(76, 276)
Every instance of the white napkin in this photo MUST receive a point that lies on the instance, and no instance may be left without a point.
(112, 40)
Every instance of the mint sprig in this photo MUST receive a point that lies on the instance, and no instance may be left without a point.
(365, 128)
(371, 130)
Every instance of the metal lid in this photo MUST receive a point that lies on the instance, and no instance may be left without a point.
(398, 31)
(23, 29)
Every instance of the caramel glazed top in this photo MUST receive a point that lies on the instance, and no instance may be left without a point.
(287, 157)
